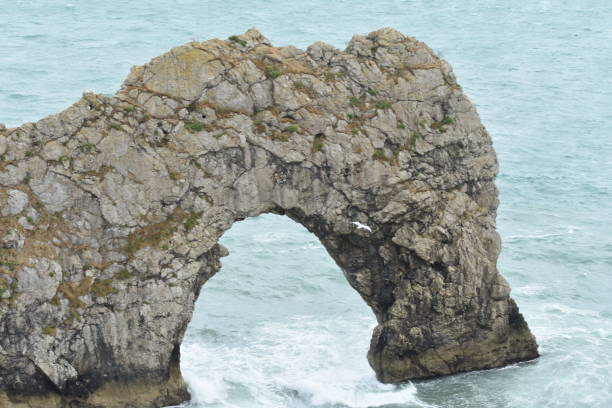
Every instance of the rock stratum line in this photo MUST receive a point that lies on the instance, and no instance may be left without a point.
(111, 212)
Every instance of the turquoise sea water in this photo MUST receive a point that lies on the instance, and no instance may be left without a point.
(279, 326)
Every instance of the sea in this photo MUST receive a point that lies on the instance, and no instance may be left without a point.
(279, 326)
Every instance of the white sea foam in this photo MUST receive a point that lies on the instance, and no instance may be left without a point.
(307, 362)
(570, 229)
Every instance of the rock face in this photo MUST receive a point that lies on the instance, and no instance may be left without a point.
(112, 210)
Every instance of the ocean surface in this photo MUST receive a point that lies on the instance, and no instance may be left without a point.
(279, 326)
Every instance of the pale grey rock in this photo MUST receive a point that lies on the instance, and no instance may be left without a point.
(13, 240)
(32, 214)
(54, 151)
(3, 145)
(56, 192)
(12, 175)
(110, 224)
(322, 51)
(227, 96)
(14, 203)
(25, 223)
(262, 95)
(39, 280)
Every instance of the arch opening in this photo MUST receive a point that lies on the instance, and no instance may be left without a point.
(278, 325)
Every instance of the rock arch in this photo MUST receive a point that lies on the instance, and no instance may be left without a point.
(112, 209)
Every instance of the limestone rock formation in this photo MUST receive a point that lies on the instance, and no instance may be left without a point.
(111, 212)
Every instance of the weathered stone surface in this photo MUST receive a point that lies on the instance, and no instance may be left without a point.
(13, 239)
(14, 204)
(112, 210)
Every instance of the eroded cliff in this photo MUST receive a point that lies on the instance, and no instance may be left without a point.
(111, 212)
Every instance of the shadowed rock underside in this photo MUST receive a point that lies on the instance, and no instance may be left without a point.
(111, 212)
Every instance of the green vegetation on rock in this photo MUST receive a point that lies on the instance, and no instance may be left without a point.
(383, 104)
(103, 287)
(49, 331)
(355, 101)
(318, 143)
(237, 39)
(192, 220)
(87, 147)
(194, 125)
(379, 154)
(272, 72)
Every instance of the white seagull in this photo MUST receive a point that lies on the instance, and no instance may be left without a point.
(361, 226)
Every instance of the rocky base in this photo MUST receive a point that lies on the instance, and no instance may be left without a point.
(495, 351)
(123, 394)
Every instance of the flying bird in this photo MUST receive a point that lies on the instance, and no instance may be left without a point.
(361, 226)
